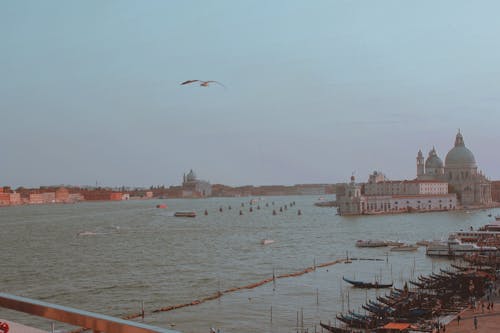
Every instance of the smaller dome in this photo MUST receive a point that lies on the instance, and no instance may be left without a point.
(433, 161)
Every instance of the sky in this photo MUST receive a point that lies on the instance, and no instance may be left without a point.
(314, 90)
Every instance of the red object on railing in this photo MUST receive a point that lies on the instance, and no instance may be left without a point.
(4, 327)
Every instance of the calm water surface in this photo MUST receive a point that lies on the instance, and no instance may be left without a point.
(132, 252)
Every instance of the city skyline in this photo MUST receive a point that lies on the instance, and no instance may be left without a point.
(91, 91)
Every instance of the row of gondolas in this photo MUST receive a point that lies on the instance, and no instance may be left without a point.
(415, 307)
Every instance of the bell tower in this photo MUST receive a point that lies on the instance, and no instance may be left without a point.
(420, 164)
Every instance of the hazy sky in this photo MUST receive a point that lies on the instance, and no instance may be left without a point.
(89, 90)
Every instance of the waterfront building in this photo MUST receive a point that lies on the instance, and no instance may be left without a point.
(194, 187)
(460, 171)
(394, 197)
(438, 186)
(62, 195)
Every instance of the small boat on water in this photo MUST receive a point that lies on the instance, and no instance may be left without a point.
(87, 233)
(423, 242)
(367, 285)
(185, 214)
(394, 243)
(161, 206)
(371, 243)
(405, 247)
(267, 241)
(334, 329)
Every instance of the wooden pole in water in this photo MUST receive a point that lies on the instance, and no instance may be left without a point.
(53, 326)
(271, 313)
(297, 322)
(317, 296)
(342, 298)
(348, 301)
(274, 280)
(142, 310)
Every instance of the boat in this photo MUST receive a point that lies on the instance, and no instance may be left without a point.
(87, 233)
(267, 241)
(405, 247)
(438, 249)
(394, 243)
(334, 329)
(423, 242)
(367, 285)
(161, 206)
(371, 243)
(455, 247)
(185, 214)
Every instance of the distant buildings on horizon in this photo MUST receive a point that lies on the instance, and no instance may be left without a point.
(191, 187)
(437, 186)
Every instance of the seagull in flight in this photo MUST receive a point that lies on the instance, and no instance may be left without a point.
(202, 83)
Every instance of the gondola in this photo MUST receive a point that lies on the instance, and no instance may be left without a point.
(353, 321)
(367, 285)
(334, 329)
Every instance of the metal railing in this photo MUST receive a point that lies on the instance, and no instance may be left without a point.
(93, 321)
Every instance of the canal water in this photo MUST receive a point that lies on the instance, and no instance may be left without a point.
(109, 257)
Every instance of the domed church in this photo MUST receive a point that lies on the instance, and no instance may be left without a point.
(459, 170)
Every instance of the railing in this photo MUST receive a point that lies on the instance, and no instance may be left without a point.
(93, 321)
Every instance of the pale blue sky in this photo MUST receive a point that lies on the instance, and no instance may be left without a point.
(90, 90)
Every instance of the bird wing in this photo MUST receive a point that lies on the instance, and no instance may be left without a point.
(216, 82)
(189, 81)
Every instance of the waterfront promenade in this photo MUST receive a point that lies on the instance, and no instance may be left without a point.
(487, 322)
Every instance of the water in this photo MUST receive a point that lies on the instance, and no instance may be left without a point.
(129, 252)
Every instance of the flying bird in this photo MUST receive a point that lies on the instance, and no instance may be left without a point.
(202, 83)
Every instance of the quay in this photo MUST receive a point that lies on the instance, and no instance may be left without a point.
(487, 322)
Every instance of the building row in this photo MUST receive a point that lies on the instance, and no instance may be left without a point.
(49, 195)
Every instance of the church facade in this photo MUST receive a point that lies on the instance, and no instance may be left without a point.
(192, 187)
(438, 186)
(460, 171)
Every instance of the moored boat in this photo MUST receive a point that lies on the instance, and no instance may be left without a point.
(371, 243)
(423, 242)
(185, 214)
(405, 247)
(334, 329)
(394, 243)
(454, 247)
(367, 285)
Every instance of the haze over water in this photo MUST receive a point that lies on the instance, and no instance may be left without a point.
(131, 252)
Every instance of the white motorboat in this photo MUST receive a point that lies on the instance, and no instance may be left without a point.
(454, 247)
